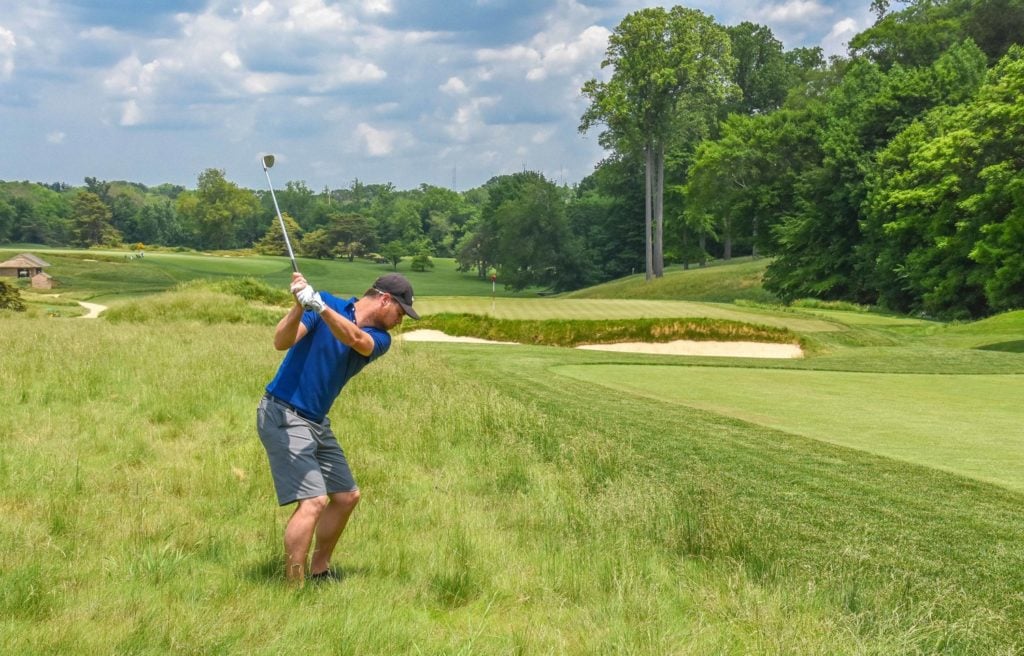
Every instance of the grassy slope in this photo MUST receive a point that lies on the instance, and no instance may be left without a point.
(110, 276)
(932, 420)
(506, 509)
(510, 510)
(720, 282)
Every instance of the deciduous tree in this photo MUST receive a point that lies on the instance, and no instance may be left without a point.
(663, 61)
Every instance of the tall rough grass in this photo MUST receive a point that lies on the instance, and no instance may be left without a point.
(505, 511)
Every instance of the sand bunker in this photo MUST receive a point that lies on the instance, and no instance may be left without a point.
(714, 349)
(438, 336)
(678, 347)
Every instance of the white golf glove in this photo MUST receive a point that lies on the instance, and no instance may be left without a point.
(310, 299)
(298, 285)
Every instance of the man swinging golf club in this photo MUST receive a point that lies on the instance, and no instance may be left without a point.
(329, 340)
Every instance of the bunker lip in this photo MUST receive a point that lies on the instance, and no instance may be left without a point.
(678, 347)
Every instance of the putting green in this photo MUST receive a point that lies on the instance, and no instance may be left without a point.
(969, 424)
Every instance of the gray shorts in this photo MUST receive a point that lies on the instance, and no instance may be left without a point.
(305, 458)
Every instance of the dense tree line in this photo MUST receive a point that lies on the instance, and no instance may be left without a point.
(516, 224)
(891, 176)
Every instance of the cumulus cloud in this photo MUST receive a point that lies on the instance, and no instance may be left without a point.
(376, 143)
(131, 114)
(454, 86)
(838, 38)
(132, 77)
(231, 59)
(348, 71)
(300, 47)
(377, 6)
(7, 46)
(405, 88)
(545, 56)
(794, 11)
(468, 120)
(311, 16)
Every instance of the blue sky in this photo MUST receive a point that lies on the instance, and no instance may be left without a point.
(401, 91)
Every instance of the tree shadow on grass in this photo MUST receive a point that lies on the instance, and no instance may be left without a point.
(1016, 346)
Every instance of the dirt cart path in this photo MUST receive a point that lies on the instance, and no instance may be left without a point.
(94, 310)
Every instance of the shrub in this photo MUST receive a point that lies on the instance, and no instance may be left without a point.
(10, 298)
(421, 262)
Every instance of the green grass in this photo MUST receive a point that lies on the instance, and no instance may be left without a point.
(700, 506)
(540, 309)
(506, 509)
(573, 332)
(107, 275)
(917, 418)
(720, 282)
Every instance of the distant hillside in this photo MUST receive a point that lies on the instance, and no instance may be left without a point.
(721, 282)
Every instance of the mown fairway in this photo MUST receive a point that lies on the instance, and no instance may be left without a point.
(512, 508)
(110, 276)
(919, 418)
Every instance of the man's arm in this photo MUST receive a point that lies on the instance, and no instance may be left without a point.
(290, 329)
(347, 332)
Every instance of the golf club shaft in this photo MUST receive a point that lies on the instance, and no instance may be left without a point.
(284, 230)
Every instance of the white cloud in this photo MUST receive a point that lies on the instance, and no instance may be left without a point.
(376, 142)
(231, 59)
(548, 56)
(515, 54)
(260, 84)
(836, 41)
(130, 77)
(347, 71)
(311, 16)
(468, 120)
(55, 137)
(454, 86)
(131, 114)
(7, 46)
(377, 6)
(262, 9)
(542, 136)
(794, 11)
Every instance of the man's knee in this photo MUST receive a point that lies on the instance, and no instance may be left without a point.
(349, 499)
(313, 505)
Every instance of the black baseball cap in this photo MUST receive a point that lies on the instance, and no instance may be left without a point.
(400, 290)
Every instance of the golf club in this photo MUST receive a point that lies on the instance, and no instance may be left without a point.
(268, 162)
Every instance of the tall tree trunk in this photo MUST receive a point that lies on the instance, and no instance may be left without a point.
(647, 212)
(726, 238)
(659, 212)
(753, 243)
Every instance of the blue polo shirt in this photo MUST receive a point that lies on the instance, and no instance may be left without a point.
(317, 367)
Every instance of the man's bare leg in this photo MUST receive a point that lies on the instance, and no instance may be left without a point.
(332, 522)
(299, 534)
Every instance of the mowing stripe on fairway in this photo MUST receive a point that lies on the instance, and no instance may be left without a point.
(966, 424)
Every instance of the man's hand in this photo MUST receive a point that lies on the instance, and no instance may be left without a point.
(298, 283)
(310, 299)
